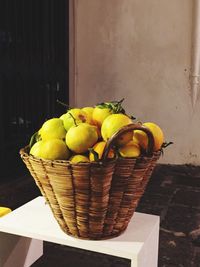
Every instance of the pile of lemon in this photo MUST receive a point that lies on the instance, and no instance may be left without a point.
(80, 135)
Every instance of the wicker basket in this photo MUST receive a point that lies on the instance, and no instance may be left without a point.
(94, 200)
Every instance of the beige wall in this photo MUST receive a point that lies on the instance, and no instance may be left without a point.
(141, 50)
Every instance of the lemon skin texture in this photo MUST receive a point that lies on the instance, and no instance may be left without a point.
(81, 137)
(52, 129)
(79, 158)
(157, 133)
(72, 117)
(54, 149)
(99, 115)
(89, 112)
(130, 150)
(36, 149)
(113, 124)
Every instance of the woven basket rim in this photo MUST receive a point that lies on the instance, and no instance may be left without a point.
(24, 152)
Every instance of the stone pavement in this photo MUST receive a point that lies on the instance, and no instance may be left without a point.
(173, 193)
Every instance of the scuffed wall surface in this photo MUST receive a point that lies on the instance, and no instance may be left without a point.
(141, 50)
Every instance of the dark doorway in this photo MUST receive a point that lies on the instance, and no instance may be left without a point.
(34, 40)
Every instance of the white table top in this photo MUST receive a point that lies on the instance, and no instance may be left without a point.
(35, 220)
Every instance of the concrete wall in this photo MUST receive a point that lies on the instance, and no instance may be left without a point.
(141, 50)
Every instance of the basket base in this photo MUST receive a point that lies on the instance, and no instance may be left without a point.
(105, 237)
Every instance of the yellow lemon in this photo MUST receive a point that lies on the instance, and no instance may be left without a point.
(54, 149)
(135, 140)
(114, 123)
(79, 158)
(52, 128)
(73, 117)
(99, 115)
(4, 211)
(157, 135)
(36, 149)
(99, 148)
(130, 150)
(103, 110)
(81, 137)
(89, 112)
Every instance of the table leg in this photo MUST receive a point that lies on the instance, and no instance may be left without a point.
(19, 251)
(134, 263)
(148, 255)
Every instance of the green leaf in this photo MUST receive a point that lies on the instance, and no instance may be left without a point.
(34, 138)
(96, 155)
(164, 145)
(115, 106)
(132, 117)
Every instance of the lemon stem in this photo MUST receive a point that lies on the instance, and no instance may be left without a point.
(132, 117)
(119, 102)
(73, 119)
(63, 104)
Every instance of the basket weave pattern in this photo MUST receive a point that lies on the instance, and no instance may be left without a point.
(93, 200)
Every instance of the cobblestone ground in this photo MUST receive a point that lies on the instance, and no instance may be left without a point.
(173, 193)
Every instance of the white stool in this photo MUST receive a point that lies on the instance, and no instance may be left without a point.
(23, 231)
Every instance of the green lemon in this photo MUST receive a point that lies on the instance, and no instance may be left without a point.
(53, 149)
(81, 137)
(52, 128)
